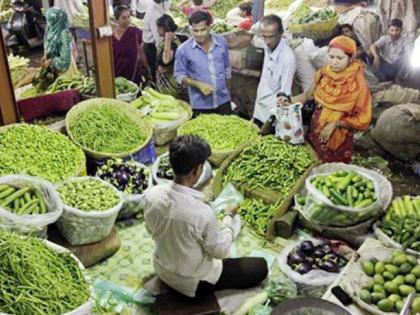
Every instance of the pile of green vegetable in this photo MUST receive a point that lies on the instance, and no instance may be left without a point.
(270, 163)
(38, 151)
(22, 200)
(258, 214)
(6, 10)
(86, 85)
(17, 66)
(305, 15)
(30, 92)
(280, 5)
(37, 280)
(221, 8)
(392, 281)
(88, 194)
(160, 108)
(165, 170)
(108, 129)
(81, 18)
(221, 132)
(222, 27)
(124, 86)
(346, 188)
(402, 222)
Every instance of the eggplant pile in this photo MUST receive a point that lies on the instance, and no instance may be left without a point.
(165, 170)
(127, 176)
(307, 257)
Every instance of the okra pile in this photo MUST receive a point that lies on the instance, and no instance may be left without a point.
(107, 129)
(37, 280)
(22, 200)
(38, 151)
(258, 214)
(402, 222)
(221, 132)
(270, 163)
(346, 189)
(88, 194)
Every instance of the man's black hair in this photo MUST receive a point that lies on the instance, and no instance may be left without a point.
(396, 23)
(273, 19)
(284, 95)
(167, 23)
(246, 7)
(187, 152)
(343, 26)
(200, 16)
(118, 10)
(197, 2)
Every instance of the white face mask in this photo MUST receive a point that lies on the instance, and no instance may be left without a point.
(205, 175)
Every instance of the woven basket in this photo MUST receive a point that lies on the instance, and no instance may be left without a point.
(315, 31)
(136, 117)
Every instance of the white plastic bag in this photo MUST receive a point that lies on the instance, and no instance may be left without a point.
(129, 97)
(228, 197)
(289, 126)
(81, 227)
(315, 282)
(320, 209)
(31, 224)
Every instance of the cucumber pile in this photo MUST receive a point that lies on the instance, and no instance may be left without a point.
(22, 200)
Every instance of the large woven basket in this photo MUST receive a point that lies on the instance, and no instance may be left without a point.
(316, 30)
(136, 117)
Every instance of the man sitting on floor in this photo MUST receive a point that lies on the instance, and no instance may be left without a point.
(190, 246)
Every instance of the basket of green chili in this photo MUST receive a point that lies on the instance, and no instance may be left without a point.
(90, 208)
(224, 134)
(106, 128)
(41, 278)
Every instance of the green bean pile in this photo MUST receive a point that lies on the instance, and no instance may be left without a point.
(221, 132)
(258, 214)
(36, 280)
(38, 151)
(88, 194)
(107, 129)
(270, 164)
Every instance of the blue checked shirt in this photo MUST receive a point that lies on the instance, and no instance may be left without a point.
(212, 68)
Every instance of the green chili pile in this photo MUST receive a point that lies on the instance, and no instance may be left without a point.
(221, 132)
(270, 164)
(36, 280)
(258, 214)
(38, 151)
(107, 129)
(88, 194)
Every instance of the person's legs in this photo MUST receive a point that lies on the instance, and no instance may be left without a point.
(224, 109)
(237, 273)
(151, 57)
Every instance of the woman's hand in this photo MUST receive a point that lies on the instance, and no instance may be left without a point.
(169, 37)
(46, 63)
(327, 131)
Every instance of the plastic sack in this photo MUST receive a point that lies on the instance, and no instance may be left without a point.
(280, 288)
(36, 223)
(320, 209)
(289, 125)
(315, 282)
(228, 197)
(129, 97)
(86, 308)
(81, 227)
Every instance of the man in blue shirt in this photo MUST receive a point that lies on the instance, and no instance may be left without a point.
(202, 64)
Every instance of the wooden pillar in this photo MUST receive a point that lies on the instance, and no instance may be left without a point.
(8, 112)
(102, 49)
(258, 10)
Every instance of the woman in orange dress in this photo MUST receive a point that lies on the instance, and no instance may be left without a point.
(343, 101)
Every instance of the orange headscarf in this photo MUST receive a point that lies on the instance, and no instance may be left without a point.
(344, 96)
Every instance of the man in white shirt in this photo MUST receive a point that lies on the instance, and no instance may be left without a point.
(151, 37)
(278, 69)
(190, 245)
(71, 7)
(140, 7)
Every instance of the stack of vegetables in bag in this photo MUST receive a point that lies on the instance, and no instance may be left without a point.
(81, 18)
(402, 222)
(22, 200)
(269, 165)
(307, 257)
(305, 15)
(38, 151)
(6, 10)
(160, 108)
(165, 170)
(17, 66)
(124, 86)
(88, 194)
(222, 27)
(37, 280)
(391, 282)
(128, 177)
(344, 189)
